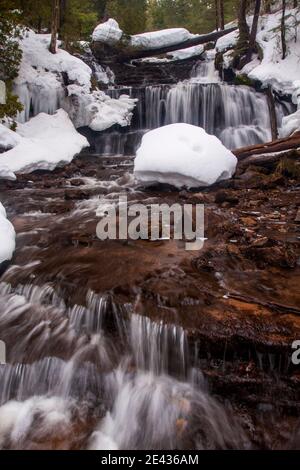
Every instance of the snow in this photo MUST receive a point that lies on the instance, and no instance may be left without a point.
(186, 53)
(273, 70)
(42, 143)
(108, 32)
(227, 42)
(48, 82)
(162, 38)
(8, 138)
(7, 237)
(183, 155)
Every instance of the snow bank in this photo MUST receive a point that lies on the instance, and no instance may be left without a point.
(7, 237)
(47, 82)
(183, 155)
(280, 74)
(42, 143)
(108, 32)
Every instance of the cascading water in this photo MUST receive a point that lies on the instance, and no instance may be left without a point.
(115, 371)
(237, 115)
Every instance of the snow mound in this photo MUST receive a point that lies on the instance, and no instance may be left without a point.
(7, 237)
(42, 143)
(183, 155)
(162, 38)
(108, 32)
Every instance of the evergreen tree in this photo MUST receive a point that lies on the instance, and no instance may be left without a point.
(10, 55)
(130, 14)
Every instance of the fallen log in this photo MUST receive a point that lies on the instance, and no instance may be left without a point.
(123, 52)
(274, 306)
(278, 145)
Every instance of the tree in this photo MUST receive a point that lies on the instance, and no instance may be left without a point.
(253, 33)
(220, 19)
(130, 14)
(54, 25)
(10, 55)
(283, 41)
(242, 47)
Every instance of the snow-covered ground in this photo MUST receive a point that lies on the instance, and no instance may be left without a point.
(282, 75)
(47, 82)
(183, 155)
(7, 237)
(41, 143)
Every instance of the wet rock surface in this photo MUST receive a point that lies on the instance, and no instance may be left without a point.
(238, 299)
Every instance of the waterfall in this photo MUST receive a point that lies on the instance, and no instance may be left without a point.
(132, 372)
(237, 115)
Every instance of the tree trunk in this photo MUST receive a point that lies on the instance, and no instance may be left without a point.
(221, 14)
(295, 4)
(273, 117)
(287, 143)
(54, 25)
(121, 53)
(220, 19)
(217, 14)
(254, 28)
(242, 46)
(283, 42)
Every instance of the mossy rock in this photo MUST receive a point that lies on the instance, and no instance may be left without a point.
(243, 80)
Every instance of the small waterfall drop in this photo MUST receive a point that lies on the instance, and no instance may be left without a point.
(133, 372)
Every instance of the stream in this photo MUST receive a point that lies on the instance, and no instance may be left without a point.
(103, 342)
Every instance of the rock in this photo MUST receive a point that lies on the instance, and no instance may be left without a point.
(226, 196)
(260, 242)
(77, 182)
(249, 221)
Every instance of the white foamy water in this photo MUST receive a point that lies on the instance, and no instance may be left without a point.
(136, 375)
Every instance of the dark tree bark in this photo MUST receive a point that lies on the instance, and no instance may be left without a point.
(54, 25)
(273, 117)
(242, 46)
(254, 28)
(295, 3)
(221, 14)
(283, 42)
(220, 18)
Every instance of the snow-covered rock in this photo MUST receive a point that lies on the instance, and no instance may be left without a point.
(42, 143)
(183, 155)
(7, 237)
(47, 82)
(108, 32)
(162, 38)
(290, 124)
